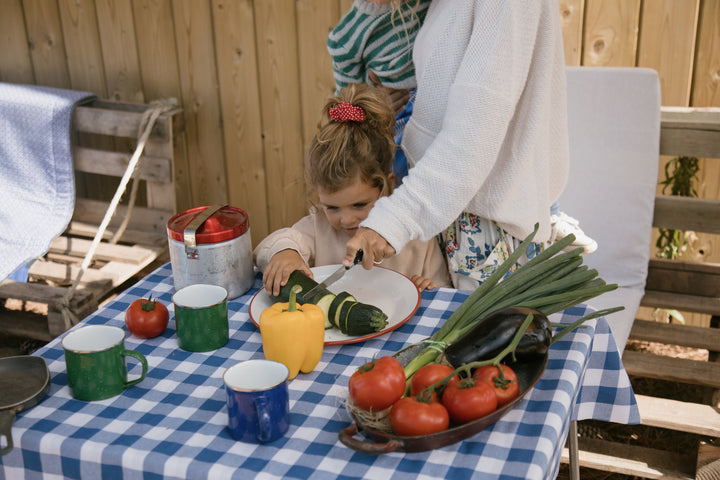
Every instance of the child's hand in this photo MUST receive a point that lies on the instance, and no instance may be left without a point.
(423, 283)
(279, 268)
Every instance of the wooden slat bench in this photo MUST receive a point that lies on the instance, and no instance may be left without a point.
(684, 286)
(105, 136)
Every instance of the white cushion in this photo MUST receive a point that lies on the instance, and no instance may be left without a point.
(614, 128)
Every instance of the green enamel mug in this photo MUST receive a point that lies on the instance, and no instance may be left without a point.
(95, 360)
(201, 317)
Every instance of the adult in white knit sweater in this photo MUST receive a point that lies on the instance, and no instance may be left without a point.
(487, 140)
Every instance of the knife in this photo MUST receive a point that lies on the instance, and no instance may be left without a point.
(334, 277)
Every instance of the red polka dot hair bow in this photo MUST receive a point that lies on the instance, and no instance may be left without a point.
(347, 112)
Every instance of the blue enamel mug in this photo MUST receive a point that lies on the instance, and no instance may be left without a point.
(257, 400)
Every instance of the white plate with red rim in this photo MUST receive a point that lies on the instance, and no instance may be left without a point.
(393, 293)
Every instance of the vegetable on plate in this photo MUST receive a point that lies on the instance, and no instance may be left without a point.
(341, 311)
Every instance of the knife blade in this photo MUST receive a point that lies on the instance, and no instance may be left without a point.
(333, 277)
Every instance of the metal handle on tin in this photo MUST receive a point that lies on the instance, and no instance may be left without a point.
(192, 227)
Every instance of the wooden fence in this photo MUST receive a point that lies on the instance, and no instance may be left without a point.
(251, 77)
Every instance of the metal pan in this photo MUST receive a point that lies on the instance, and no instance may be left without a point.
(24, 382)
(528, 373)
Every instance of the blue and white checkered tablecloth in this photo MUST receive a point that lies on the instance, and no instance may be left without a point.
(173, 424)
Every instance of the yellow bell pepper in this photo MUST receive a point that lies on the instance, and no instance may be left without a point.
(293, 334)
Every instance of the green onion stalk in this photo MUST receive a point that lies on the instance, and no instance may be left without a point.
(550, 282)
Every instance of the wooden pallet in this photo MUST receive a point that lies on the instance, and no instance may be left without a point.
(685, 286)
(105, 136)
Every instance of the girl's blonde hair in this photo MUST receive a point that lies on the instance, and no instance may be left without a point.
(341, 151)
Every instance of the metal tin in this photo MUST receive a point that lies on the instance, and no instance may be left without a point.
(212, 244)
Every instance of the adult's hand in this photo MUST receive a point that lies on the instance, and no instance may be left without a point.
(375, 248)
(398, 97)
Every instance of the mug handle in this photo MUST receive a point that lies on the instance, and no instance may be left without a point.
(138, 356)
(265, 426)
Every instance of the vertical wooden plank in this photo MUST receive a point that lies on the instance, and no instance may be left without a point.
(85, 69)
(345, 6)
(119, 50)
(157, 54)
(47, 46)
(706, 77)
(667, 44)
(315, 20)
(240, 104)
(199, 83)
(706, 93)
(82, 46)
(571, 17)
(611, 28)
(279, 101)
(15, 64)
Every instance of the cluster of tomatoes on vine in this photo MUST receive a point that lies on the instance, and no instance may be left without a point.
(437, 394)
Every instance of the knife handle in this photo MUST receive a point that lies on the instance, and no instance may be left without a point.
(358, 259)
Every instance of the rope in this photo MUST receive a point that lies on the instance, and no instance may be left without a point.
(147, 123)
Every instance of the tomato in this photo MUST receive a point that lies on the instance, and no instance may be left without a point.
(427, 375)
(146, 318)
(377, 384)
(506, 389)
(468, 400)
(410, 417)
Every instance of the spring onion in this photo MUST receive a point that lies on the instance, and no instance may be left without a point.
(550, 282)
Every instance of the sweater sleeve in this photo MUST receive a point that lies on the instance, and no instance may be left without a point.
(300, 237)
(479, 105)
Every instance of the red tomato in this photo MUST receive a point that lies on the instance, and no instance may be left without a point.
(467, 400)
(377, 384)
(146, 318)
(427, 375)
(410, 417)
(506, 388)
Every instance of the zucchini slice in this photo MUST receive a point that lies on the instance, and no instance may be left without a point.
(334, 311)
(360, 319)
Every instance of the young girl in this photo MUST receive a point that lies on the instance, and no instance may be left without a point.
(349, 166)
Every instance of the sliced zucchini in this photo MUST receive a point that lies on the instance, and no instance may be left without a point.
(323, 298)
(298, 278)
(324, 303)
(360, 319)
(342, 311)
(334, 310)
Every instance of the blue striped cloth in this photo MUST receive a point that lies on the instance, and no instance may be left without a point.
(173, 424)
(37, 196)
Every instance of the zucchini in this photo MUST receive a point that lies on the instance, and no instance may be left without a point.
(323, 298)
(342, 311)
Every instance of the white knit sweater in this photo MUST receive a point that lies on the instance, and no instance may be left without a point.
(488, 134)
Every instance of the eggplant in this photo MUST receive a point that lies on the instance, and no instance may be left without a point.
(495, 332)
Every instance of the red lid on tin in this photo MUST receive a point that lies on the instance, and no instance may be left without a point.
(225, 224)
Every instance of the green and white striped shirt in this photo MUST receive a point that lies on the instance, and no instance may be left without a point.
(372, 37)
